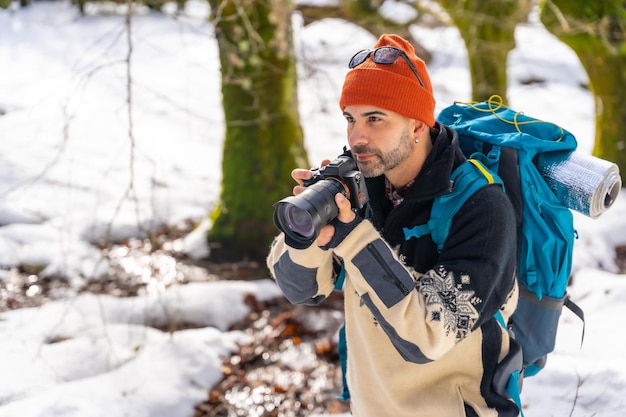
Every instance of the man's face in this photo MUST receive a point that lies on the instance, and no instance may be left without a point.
(380, 140)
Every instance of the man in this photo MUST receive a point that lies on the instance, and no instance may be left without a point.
(420, 328)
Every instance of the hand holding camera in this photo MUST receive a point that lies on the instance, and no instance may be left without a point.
(302, 217)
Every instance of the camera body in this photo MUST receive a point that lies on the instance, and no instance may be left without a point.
(301, 217)
(343, 169)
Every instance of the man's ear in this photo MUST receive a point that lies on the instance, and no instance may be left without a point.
(419, 128)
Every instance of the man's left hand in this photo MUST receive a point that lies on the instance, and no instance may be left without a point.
(333, 233)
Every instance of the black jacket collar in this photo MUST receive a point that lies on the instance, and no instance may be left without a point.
(431, 181)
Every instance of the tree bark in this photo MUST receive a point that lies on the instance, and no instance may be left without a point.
(488, 30)
(596, 33)
(264, 140)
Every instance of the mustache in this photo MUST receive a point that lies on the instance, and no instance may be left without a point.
(362, 149)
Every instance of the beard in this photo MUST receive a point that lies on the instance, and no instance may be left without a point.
(381, 162)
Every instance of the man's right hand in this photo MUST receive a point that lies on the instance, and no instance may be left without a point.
(301, 174)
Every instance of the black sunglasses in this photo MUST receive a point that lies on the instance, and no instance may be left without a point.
(383, 55)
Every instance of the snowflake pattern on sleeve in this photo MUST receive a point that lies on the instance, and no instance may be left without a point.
(449, 301)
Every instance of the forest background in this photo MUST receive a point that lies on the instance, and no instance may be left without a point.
(113, 135)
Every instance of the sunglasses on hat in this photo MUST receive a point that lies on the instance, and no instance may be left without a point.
(383, 55)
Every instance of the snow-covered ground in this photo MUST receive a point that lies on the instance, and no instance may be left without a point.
(71, 174)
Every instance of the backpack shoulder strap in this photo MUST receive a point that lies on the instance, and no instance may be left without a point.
(465, 180)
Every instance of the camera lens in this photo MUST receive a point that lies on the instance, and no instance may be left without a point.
(301, 217)
(299, 221)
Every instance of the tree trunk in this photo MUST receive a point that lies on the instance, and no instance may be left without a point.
(488, 30)
(264, 140)
(595, 31)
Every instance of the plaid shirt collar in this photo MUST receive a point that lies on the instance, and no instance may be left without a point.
(396, 196)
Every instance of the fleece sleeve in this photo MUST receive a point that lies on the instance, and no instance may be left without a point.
(305, 276)
(425, 315)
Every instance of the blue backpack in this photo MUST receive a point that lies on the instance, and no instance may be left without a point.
(505, 145)
(501, 146)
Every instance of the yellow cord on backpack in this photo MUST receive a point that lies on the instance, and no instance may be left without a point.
(495, 103)
(482, 170)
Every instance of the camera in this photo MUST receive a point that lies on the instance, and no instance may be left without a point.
(302, 216)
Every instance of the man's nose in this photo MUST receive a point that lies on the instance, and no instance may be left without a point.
(357, 135)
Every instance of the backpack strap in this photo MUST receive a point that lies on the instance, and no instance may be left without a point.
(465, 180)
(509, 374)
(342, 346)
(574, 308)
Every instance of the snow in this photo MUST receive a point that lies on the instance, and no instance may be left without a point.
(71, 175)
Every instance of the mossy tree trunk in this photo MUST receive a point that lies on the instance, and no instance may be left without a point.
(595, 30)
(264, 140)
(488, 30)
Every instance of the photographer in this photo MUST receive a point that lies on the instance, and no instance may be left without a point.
(421, 333)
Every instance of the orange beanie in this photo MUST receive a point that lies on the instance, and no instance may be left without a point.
(391, 86)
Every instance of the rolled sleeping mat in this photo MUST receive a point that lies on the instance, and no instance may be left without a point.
(584, 183)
